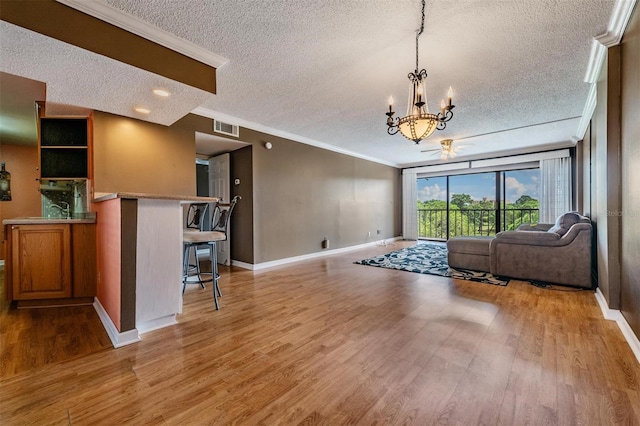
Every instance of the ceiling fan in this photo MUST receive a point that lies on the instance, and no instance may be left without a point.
(447, 150)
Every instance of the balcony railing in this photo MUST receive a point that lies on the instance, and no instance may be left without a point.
(432, 223)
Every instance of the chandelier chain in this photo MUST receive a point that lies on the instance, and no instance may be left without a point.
(419, 32)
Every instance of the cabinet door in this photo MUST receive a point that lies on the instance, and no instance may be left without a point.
(41, 257)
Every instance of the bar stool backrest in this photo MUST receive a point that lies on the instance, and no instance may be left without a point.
(195, 216)
(221, 214)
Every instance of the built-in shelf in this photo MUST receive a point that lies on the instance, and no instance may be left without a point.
(64, 148)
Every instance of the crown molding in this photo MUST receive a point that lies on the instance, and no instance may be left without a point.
(587, 112)
(206, 112)
(106, 13)
(596, 60)
(618, 22)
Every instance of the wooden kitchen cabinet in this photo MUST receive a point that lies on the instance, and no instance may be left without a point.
(51, 261)
(41, 257)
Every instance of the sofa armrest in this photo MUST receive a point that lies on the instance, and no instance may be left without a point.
(538, 227)
(575, 230)
(544, 256)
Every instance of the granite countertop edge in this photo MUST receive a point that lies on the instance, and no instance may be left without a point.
(99, 197)
(46, 220)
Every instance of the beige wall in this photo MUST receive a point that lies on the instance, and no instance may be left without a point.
(22, 163)
(136, 156)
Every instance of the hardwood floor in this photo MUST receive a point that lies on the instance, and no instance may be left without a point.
(329, 342)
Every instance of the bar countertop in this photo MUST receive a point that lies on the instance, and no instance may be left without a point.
(85, 218)
(138, 195)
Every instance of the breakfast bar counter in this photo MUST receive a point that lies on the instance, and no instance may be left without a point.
(139, 252)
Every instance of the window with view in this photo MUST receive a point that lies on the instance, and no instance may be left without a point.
(478, 204)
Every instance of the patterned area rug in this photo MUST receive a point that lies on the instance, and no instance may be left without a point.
(428, 258)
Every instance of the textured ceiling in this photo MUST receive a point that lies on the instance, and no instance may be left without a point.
(321, 71)
(78, 77)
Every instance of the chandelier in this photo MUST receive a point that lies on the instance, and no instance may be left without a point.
(418, 124)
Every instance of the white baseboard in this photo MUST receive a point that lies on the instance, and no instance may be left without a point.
(279, 262)
(156, 324)
(117, 339)
(615, 315)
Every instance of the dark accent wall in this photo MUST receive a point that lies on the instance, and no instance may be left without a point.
(606, 177)
(630, 174)
(612, 166)
(129, 242)
(242, 223)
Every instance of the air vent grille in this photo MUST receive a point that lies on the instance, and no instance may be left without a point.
(226, 128)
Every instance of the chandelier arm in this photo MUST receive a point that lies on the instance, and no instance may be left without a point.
(447, 116)
(393, 124)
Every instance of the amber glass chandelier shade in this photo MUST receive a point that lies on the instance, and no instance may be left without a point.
(417, 128)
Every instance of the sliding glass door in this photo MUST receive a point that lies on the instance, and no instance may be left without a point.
(472, 205)
(479, 204)
(520, 195)
(433, 209)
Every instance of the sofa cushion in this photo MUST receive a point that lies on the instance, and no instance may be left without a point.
(564, 222)
(469, 245)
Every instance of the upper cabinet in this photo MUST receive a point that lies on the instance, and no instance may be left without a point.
(65, 148)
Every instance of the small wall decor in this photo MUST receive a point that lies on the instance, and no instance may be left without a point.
(5, 185)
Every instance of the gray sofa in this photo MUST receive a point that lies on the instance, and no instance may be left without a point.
(557, 253)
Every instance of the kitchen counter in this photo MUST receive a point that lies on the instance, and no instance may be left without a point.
(138, 195)
(139, 238)
(88, 218)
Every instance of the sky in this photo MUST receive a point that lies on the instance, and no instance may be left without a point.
(481, 185)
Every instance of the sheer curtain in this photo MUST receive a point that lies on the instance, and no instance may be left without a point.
(409, 205)
(555, 188)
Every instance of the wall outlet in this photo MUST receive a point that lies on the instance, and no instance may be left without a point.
(369, 234)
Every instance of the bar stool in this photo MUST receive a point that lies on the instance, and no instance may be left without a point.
(194, 223)
(219, 231)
